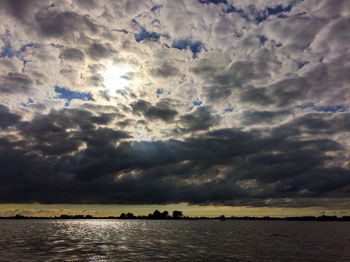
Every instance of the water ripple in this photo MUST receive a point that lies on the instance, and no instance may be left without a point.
(157, 240)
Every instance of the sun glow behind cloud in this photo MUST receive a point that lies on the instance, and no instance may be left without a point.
(117, 78)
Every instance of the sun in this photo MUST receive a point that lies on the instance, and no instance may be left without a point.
(116, 78)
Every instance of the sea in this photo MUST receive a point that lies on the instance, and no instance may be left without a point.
(173, 240)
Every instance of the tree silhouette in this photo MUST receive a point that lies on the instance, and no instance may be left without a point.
(165, 214)
(157, 214)
(130, 215)
(177, 214)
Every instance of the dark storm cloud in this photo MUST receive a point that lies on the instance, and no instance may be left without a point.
(201, 118)
(216, 167)
(20, 9)
(103, 118)
(96, 79)
(65, 119)
(125, 123)
(52, 130)
(256, 95)
(289, 91)
(257, 117)
(88, 4)
(65, 24)
(72, 54)
(288, 168)
(282, 93)
(145, 108)
(222, 81)
(164, 71)
(6, 118)
(15, 83)
(98, 51)
(318, 123)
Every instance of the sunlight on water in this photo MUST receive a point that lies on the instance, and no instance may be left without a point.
(139, 240)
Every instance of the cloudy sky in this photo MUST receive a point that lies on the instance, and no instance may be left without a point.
(231, 103)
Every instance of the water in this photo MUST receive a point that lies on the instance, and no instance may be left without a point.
(157, 240)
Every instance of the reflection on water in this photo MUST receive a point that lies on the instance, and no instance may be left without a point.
(159, 240)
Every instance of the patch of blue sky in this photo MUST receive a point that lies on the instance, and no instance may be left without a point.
(144, 34)
(228, 109)
(302, 64)
(331, 109)
(6, 35)
(326, 108)
(282, 16)
(216, 2)
(24, 47)
(237, 34)
(272, 11)
(262, 39)
(197, 102)
(301, 13)
(20, 53)
(196, 48)
(155, 7)
(123, 31)
(29, 101)
(165, 36)
(134, 21)
(7, 51)
(182, 44)
(260, 15)
(56, 45)
(69, 95)
(233, 9)
(278, 9)
(160, 91)
(24, 64)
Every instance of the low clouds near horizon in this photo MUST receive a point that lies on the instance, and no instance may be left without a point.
(157, 102)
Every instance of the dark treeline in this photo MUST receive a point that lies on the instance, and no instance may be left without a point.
(178, 215)
(156, 215)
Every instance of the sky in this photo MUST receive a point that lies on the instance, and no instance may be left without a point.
(209, 106)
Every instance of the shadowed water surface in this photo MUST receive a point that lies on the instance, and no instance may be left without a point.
(164, 240)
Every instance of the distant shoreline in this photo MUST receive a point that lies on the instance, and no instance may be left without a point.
(222, 218)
